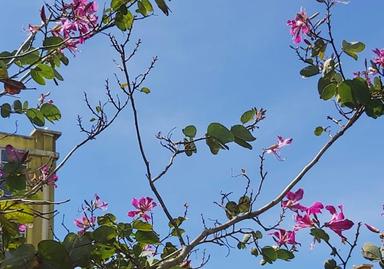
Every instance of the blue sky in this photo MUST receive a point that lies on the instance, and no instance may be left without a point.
(216, 60)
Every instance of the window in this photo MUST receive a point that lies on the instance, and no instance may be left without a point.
(3, 156)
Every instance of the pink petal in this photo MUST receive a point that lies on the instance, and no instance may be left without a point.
(372, 228)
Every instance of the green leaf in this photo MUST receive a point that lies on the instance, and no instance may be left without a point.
(145, 90)
(107, 219)
(232, 209)
(190, 131)
(5, 110)
(328, 91)
(248, 116)
(64, 59)
(52, 42)
(360, 90)
(374, 109)
(189, 147)
(19, 213)
(309, 71)
(284, 254)
(37, 77)
(18, 106)
(58, 75)
(50, 112)
(330, 264)
(25, 105)
(8, 227)
(22, 257)
(163, 6)
(144, 7)
(254, 252)
(36, 117)
(124, 230)
(214, 145)
(104, 234)
(79, 249)
(169, 249)
(353, 48)
(3, 70)
(103, 252)
(124, 20)
(371, 252)
(142, 226)
(45, 71)
(244, 204)
(53, 255)
(319, 234)
(16, 182)
(269, 254)
(243, 133)
(116, 4)
(242, 143)
(178, 221)
(319, 49)
(147, 237)
(220, 132)
(319, 131)
(29, 58)
(345, 96)
(257, 235)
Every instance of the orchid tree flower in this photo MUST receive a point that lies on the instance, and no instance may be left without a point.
(338, 222)
(99, 204)
(85, 223)
(379, 59)
(299, 26)
(293, 199)
(143, 205)
(284, 237)
(275, 148)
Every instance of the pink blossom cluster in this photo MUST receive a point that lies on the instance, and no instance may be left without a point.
(379, 59)
(307, 217)
(299, 26)
(143, 207)
(77, 25)
(47, 177)
(367, 75)
(86, 222)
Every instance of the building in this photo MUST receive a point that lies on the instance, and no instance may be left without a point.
(41, 145)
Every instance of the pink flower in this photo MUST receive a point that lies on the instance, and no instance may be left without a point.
(315, 208)
(14, 155)
(293, 199)
(299, 26)
(283, 237)
(46, 177)
(379, 59)
(302, 222)
(372, 228)
(275, 148)
(144, 205)
(98, 203)
(85, 223)
(22, 228)
(77, 24)
(338, 222)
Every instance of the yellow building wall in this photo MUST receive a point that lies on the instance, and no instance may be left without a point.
(41, 145)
